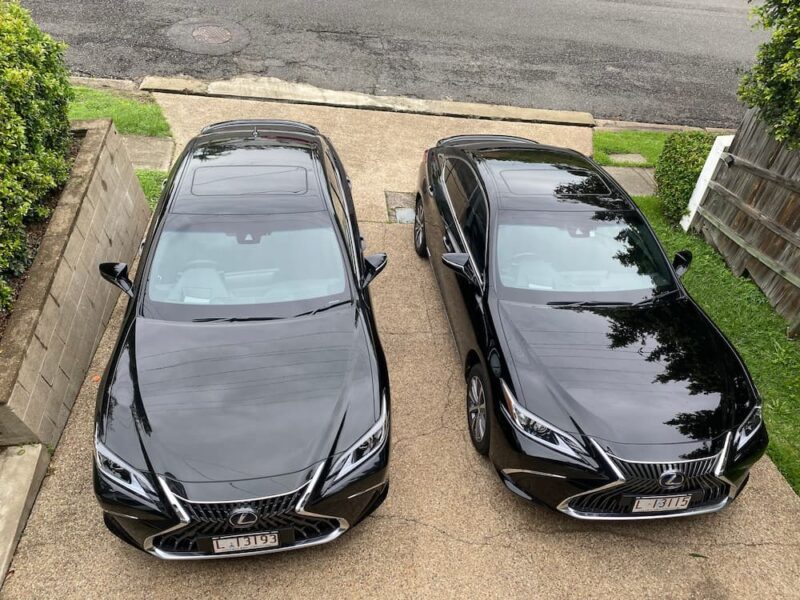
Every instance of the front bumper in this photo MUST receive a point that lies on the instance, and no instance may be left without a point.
(606, 486)
(175, 528)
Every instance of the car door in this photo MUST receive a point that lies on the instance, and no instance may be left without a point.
(464, 230)
(473, 228)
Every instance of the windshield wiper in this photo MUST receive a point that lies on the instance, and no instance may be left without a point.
(323, 308)
(233, 319)
(658, 297)
(582, 303)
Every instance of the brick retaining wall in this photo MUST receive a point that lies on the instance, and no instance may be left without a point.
(63, 309)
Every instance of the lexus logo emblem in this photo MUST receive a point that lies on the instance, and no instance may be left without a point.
(671, 479)
(243, 517)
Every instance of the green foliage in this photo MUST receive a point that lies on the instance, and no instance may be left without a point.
(773, 84)
(134, 115)
(744, 314)
(678, 168)
(647, 143)
(151, 182)
(34, 132)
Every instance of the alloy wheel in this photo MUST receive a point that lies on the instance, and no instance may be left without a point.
(476, 409)
(419, 226)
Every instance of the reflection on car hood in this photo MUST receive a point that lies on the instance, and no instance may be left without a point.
(657, 375)
(253, 403)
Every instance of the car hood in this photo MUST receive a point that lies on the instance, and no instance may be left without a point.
(246, 409)
(657, 375)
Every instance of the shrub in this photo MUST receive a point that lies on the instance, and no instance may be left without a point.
(34, 132)
(678, 168)
(773, 84)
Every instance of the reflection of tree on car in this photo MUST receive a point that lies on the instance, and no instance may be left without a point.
(590, 373)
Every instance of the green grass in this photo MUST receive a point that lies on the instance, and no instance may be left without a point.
(132, 116)
(647, 143)
(151, 182)
(743, 312)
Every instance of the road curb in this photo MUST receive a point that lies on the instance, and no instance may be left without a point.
(99, 83)
(611, 125)
(272, 89)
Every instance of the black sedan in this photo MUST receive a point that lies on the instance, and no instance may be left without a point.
(245, 408)
(594, 382)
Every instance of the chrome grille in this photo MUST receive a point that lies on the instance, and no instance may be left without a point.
(641, 479)
(276, 513)
(652, 471)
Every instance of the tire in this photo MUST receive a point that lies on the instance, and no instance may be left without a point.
(420, 241)
(479, 402)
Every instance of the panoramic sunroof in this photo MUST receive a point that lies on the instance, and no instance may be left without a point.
(249, 180)
(548, 179)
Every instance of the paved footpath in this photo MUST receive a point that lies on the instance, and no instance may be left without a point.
(449, 528)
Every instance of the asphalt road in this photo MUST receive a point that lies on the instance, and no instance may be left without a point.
(673, 61)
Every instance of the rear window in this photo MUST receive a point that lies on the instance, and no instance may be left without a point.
(561, 180)
(249, 180)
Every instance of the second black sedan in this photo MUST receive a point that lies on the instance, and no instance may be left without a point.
(594, 382)
(245, 408)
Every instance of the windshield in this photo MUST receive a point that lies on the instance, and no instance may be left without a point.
(245, 266)
(578, 256)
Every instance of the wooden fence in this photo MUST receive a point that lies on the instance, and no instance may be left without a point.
(751, 214)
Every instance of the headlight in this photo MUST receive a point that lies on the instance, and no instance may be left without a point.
(368, 445)
(749, 428)
(539, 430)
(120, 472)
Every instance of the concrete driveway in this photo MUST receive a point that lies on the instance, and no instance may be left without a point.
(449, 528)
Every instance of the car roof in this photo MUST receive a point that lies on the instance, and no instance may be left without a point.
(485, 141)
(531, 176)
(251, 167)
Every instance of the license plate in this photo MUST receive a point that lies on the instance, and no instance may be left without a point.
(238, 543)
(661, 503)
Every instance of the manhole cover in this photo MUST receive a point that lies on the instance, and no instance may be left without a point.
(212, 34)
(209, 35)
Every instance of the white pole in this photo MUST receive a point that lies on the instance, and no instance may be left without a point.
(721, 144)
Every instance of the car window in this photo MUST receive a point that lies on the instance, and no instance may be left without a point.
(250, 180)
(236, 266)
(470, 209)
(474, 222)
(339, 208)
(568, 255)
(456, 190)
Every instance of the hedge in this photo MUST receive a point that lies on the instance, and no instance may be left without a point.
(678, 169)
(773, 84)
(34, 133)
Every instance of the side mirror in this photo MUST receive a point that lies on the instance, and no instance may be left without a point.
(682, 261)
(373, 265)
(459, 262)
(117, 273)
